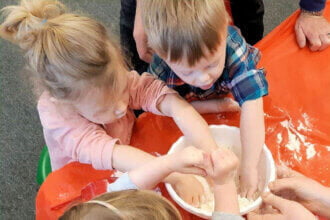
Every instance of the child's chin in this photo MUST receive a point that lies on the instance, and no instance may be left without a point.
(207, 87)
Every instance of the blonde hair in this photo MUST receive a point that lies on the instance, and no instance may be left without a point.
(179, 29)
(68, 53)
(128, 205)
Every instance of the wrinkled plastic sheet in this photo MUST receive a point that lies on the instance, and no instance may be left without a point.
(297, 116)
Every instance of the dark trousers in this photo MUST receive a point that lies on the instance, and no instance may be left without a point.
(248, 16)
(127, 16)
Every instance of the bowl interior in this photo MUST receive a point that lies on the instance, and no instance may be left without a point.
(228, 136)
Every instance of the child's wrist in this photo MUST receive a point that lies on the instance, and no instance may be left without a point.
(172, 178)
(167, 163)
(249, 164)
(225, 184)
(225, 196)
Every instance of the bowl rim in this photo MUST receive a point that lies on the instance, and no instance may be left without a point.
(206, 214)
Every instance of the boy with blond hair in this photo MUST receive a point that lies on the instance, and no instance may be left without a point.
(203, 58)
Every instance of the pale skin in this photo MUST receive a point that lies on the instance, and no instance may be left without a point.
(253, 137)
(126, 157)
(222, 174)
(288, 210)
(308, 192)
(295, 196)
(203, 74)
(195, 161)
(312, 31)
(189, 160)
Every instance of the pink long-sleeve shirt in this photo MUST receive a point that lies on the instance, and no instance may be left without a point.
(71, 137)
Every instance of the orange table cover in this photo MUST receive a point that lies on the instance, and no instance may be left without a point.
(297, 116)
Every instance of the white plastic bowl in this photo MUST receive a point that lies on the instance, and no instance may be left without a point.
(230, 137)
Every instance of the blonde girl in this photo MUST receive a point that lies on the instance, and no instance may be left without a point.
(88, 94)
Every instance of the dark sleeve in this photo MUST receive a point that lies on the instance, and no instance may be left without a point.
(312, 5)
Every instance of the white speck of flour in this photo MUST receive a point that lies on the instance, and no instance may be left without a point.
(310, 151)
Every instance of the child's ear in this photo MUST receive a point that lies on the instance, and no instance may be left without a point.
(8, 33)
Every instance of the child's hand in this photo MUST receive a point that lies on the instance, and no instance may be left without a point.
(295, 186)
(248, 182)
(189, 160)
(189, 189)
(289, 210)
(224, 165)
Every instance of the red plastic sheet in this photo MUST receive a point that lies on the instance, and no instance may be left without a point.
(297, 114)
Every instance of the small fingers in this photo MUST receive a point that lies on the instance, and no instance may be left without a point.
(196, 201)
(243, 192)
(251, 193)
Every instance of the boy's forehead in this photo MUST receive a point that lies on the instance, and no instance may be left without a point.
(205, 60)
(207, 57)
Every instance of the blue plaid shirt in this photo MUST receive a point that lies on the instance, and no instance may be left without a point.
(239, 76)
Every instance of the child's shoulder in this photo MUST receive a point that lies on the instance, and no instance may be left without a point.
(45, 99)
(234, 36)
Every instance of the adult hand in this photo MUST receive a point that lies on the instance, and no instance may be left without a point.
(288, 210)
(295, 186)
(314, 29)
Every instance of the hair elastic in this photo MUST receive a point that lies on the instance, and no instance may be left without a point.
(105, 204)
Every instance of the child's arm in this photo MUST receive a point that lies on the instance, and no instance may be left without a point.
(222, 174)
(189, 160)
(216, 106)
(252, 137)
(154, 96)
(150, 172)
(192, 125)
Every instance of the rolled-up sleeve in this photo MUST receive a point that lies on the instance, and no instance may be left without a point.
(70, 137)
(147, 92)
(249, 86)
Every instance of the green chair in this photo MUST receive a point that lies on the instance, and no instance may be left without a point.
(44, 166)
